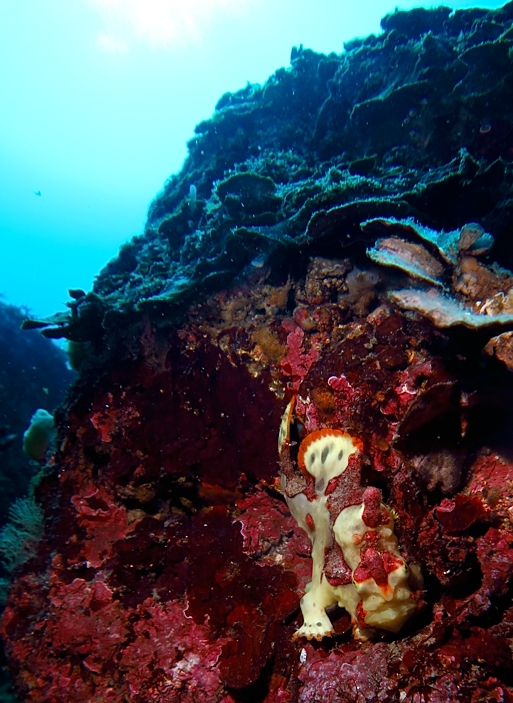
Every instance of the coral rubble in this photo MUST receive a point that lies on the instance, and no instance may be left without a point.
(320, 273)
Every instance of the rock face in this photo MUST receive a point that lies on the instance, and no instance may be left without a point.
(171, 569)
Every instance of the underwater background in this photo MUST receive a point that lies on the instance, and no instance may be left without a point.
(256, 342)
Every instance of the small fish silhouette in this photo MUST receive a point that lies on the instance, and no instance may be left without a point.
(37, 192)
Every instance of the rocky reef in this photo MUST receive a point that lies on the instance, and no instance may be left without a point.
(33, 374)
(317, 319)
